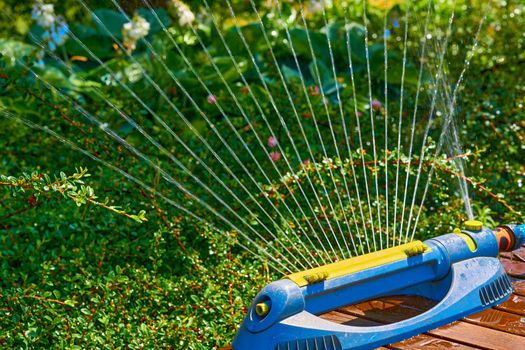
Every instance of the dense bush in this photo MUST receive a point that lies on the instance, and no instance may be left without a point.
(107, 262)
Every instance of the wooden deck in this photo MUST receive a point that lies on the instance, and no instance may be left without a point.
(502, 327)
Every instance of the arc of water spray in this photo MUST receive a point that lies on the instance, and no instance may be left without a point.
(447, 121)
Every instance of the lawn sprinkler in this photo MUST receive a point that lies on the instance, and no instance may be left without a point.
(460, 271)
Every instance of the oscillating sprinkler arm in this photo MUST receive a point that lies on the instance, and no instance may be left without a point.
(460, 271)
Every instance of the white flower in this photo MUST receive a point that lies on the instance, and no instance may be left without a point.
(135, 30)
(186, 18)
(181, 11)
(43, 14)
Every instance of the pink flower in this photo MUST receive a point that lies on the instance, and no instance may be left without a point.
(306, 162)
(358, 114)
(376, 105)
(272, 141)
(211, 99)
(314, 90)
(275, 156)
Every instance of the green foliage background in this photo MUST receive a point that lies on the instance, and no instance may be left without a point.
(76, 275)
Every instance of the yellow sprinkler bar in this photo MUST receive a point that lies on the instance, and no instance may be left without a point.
(358, 263)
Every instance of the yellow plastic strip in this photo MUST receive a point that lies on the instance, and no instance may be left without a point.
(358, 263)
(471, 243)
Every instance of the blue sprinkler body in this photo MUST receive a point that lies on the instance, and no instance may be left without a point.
(460, 271)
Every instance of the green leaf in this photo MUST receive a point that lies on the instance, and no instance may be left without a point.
(13, 49)
(321, 74)
(70, 302)
(109, 21)
(54, 77)
(100, 45)
(252, 33)
(356, 34)
(302, 39)
(290, 73)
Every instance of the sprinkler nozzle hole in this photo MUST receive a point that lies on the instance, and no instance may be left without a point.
(262, 309)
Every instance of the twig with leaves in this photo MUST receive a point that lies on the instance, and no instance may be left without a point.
(72, 187)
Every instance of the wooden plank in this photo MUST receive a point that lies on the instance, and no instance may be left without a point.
(519, 287)
(422, 341)
(515, 304)
(518, 254)
(485, 338)
(427, 342)
(514, 268)
(462, 332)
(506, 317)
(499, 320)
(349, 320)
(514, 264)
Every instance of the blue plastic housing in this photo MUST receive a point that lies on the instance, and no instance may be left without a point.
(461, 280)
